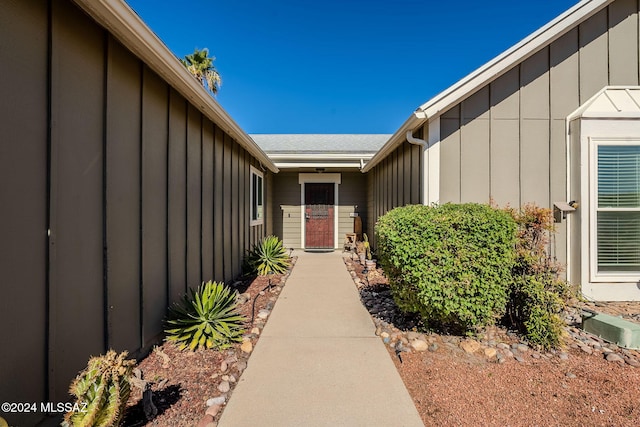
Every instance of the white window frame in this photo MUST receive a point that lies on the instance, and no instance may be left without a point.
(256, 218)
(608, 276)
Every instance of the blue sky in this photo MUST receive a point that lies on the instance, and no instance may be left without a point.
(327, 66)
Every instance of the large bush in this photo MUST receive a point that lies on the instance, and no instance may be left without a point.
(538, 294)
(450, 263)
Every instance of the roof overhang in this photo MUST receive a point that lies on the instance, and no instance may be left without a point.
(117, 17)
(320, 160)
(490, 71)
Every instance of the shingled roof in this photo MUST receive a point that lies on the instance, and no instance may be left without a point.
(320, 143)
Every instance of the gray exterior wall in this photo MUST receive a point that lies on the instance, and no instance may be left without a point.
(395, 181)
(507, 141)
(286, 208)
(285, 205)
(142, 195)
(353, 198)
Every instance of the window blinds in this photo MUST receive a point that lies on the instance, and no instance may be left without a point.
(618, 208)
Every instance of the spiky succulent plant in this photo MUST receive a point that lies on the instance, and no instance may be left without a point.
(206, 318)
(268, 256)
(102, 389)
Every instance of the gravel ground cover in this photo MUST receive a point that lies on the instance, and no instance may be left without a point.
(496, 379)
(191, 388)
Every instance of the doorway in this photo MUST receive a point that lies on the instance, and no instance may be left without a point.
(319, 209)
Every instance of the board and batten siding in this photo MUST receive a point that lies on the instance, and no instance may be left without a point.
(116, 196)
(285, 209)
(286, 203)
(395, 181)
(352, 199)
(507, 141)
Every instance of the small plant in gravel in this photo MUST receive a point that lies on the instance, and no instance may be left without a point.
(450, 263)
(206, 318)
(538, 294)
(267, 256)
(103, 386)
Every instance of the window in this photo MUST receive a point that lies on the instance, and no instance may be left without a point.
(257, 197)
(617, 208)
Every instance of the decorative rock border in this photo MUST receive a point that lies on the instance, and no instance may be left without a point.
(494, 345)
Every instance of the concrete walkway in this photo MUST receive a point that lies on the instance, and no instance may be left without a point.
(318, 361)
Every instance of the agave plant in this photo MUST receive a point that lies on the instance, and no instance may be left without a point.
(268, 256)
(103, 387)
(206, 318)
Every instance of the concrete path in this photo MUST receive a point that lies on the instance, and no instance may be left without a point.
(318, 361)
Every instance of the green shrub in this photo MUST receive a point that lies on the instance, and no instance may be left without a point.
(450, 263)
(537, 294)
(267, 256)
(104, 387)
(206, 318)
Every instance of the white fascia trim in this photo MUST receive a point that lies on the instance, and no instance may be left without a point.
(119, 19)
(285, 165)
(490, 71)
(516, 54)
(323, 156)
(396, 139)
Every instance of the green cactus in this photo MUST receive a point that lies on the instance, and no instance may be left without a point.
(104, 387)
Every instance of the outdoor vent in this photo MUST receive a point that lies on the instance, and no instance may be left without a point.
(561, 209)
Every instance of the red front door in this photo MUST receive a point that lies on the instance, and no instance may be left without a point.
(319, 219)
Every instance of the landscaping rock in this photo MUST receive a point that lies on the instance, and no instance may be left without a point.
(586, 349)
(614, 357)
(632, 362)
(213, 410)
(433, 347)
(224, 366)
(412, 335)
(490, 353)
(241, 366)
(224, 387)
(419, 345)
(470, 346)
(247, 346)
(216, 401)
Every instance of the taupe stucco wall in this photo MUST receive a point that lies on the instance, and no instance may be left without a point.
(143, 196)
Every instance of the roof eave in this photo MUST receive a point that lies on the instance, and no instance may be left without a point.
(396, 139)
(489, 72)
(502, 63)
(130, 30)
(318, 164)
